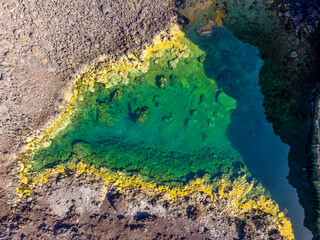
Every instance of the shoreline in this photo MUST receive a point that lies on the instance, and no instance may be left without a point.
(12, 170)
(258, 208)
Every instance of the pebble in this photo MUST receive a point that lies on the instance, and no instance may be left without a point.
(294, 54)
(303, 16)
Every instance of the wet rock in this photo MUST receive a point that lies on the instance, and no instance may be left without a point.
(303, 17)
(202, 58)
(173, 63)
(116, 95)
(206, 30)
(161, 81)
(183, 20)
(287, 14)
(140, 115)
(294, 54)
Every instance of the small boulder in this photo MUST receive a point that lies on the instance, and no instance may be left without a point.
(173, 63)
(116, 95)
(140, 115)
(161, 81)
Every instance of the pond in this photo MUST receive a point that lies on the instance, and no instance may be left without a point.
(197, 111)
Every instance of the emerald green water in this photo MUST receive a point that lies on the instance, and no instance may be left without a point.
(168, 125)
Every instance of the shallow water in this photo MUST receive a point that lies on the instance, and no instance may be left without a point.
(201, 114)
(168, 125)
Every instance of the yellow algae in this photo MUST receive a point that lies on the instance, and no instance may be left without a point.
(237, 190)
(24, 178)
(261, 203)
(42, 177)
(113, 73)
(285, 227)
(60, 169)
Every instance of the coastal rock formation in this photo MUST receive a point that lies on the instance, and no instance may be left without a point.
(79, 205)
(43, 45)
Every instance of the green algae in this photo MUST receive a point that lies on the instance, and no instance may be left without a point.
(168, 124)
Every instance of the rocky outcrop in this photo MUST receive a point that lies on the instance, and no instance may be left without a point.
(79, 205)
(313, 171)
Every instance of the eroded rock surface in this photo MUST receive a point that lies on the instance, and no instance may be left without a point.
(82, 206)
(42, 44)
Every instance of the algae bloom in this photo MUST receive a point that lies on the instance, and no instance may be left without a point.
(168, 123)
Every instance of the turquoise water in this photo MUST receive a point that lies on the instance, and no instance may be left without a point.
(250, 133)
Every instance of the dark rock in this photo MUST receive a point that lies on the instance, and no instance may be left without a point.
(140, 115)
(143, 216)
(202, 58)
(161, 81)
(183, 20)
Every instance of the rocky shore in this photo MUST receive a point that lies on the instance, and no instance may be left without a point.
(302, 18)
(44, 44)
(76, 204)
